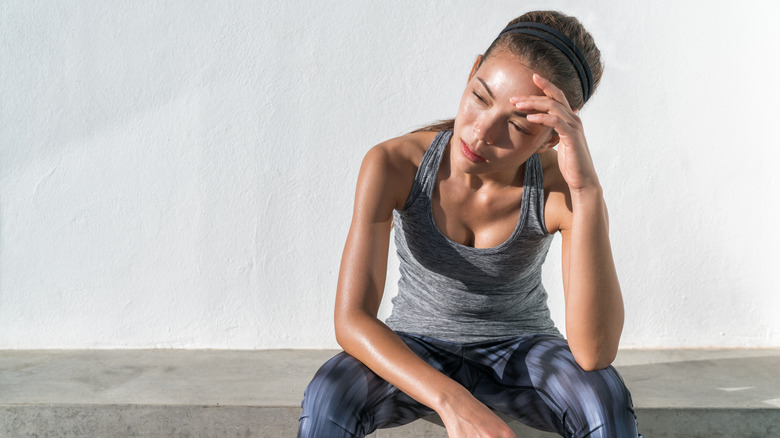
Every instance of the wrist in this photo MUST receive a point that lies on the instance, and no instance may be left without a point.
(449, 399)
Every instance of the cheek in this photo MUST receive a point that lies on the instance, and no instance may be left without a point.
(468, 110)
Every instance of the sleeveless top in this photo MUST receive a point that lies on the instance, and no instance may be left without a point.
(463, 294)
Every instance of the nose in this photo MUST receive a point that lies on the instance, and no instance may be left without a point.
(485, 130)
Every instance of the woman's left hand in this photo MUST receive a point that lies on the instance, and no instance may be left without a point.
(574, 157)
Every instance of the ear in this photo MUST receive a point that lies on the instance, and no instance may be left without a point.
(551, 142)
(475, 67)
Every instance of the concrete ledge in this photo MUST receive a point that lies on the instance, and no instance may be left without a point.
(207, 393)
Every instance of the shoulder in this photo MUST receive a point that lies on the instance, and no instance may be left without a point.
(402, 152)
(390, 167)
(557, 198)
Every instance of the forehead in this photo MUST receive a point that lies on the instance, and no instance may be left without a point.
(507, 75)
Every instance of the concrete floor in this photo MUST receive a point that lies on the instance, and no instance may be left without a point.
(150, 393)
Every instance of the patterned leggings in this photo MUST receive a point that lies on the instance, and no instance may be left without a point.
(532, 379)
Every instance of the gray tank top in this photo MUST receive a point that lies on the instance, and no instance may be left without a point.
(463, 294)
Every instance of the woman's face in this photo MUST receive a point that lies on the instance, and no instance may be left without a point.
(490, 135)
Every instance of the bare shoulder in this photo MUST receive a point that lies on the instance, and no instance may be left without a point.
(392, 165)
(557, 198)
(404, 151)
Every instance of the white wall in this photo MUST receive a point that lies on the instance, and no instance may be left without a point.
(180, 174)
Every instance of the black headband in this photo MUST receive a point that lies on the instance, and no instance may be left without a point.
(562, 43)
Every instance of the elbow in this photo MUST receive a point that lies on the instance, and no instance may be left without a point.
(342, 329)
(595, 361)
(594, 356)
(340, 338)
(596, 365)
(344, 339)
(594, 350)
(350, 328)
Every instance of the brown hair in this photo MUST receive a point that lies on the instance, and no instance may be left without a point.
(545, 58)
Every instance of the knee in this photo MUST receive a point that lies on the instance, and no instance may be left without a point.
(608, 386)
(551, 360)
(335, 384)
(604, 407)
(609, 411)
(602, 387)
(588, 400)
(334, 399)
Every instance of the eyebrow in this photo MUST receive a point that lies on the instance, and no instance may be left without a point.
(484, 84)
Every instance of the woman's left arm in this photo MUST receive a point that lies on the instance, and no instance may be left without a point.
(594, 303)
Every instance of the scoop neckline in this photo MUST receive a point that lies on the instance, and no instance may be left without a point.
(521, 220)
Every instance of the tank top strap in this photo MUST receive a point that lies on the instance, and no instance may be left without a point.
(429, 167)
(534, 182)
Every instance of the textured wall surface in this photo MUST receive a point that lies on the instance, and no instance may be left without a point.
(180, 174)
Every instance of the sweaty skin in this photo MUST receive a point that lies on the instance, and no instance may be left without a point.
(506, 114)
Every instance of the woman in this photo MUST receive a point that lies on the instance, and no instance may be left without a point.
(475, 203)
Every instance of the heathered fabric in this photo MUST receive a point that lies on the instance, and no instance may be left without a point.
(463, 294)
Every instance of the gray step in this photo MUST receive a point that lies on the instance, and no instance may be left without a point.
(211, 393)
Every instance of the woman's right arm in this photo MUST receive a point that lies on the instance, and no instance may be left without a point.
(384, 182)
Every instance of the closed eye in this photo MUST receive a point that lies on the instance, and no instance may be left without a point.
(481, 99)
(519, 128)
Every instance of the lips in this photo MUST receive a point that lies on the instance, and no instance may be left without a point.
(469, 154)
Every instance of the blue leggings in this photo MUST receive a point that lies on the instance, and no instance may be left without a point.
(533, 379)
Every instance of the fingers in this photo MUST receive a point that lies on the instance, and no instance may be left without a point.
(553, 108)
(550, 120)
(548, 113)
(550, 90)
(540, 103)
